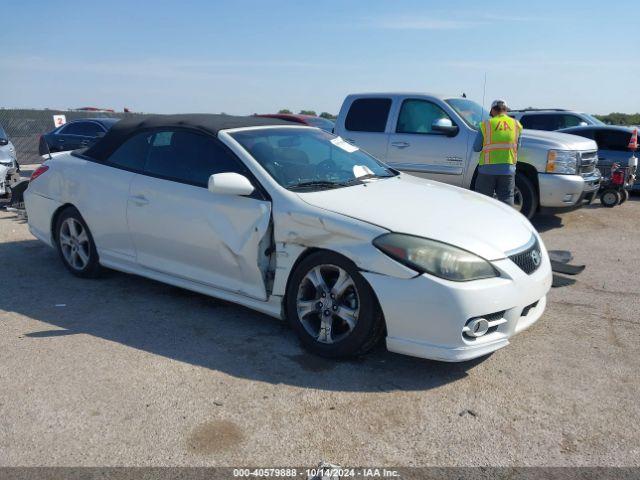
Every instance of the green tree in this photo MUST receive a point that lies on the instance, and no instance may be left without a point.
(617, 118)
(328, 116)
(284, 110)
(308, 112)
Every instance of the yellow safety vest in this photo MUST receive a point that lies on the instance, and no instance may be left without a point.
(500, 140)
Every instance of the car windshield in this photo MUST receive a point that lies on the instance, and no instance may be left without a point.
(322, 123)
(470, 111)
(3, 134)
(310, 159)
(593, 120)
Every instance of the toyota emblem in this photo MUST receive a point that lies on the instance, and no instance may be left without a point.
(535, 257)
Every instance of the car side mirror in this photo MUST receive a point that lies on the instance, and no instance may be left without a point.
(444, 125)
(230, 183)
(583, 124)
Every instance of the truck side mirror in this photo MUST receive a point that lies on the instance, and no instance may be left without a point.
(446, 126)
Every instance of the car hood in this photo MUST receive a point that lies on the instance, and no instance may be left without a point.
(408, 204)
(561, 141)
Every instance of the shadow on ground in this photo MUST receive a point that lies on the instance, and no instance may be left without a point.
(193, 328)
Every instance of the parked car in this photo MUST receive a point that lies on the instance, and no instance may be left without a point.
(311, 120)
(432, 136)
(613, 144)
(552, 119)
(8, 156)
(11, 183)
(75, 134)
(297, 223)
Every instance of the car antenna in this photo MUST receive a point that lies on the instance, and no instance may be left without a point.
(484, 95)
(48, 151)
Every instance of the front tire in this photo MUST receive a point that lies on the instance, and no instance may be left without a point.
(525, 196)
(75, 244)
(610, 198)
(332, 308)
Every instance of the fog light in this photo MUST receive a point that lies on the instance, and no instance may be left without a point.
(477, 327)
(568, 198)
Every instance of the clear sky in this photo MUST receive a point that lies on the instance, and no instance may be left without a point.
(252, 56)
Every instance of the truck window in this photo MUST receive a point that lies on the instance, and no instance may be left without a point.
(567, 121)
(368, 115)
(617, 140)
(417, 116)
(543, 121)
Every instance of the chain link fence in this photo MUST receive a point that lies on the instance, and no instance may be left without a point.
(24, 127)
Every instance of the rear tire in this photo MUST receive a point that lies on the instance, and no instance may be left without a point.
(610, 198)
(332, 308)
(75, 244)
(528, 194)
(624, 196)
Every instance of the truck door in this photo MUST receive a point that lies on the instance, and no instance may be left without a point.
(416, 145)
(364, 124)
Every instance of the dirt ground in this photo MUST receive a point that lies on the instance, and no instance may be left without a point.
(126, 371)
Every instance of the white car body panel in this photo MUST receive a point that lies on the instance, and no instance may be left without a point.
(208, 238)
(211, 243)
(408, 204)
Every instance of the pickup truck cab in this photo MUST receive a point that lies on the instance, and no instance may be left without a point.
(432, 136)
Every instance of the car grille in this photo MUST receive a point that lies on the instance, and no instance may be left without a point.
(528, 260)
(588, 162)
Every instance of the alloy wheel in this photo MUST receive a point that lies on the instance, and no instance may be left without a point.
(328, 303)
(74, 243)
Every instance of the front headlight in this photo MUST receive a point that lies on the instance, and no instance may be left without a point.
(436, 258)
(562, 161)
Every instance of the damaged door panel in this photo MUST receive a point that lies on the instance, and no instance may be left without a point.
(217, 240)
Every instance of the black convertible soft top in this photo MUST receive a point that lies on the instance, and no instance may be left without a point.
(206, 123)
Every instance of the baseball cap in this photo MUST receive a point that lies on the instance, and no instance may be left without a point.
(496, 103)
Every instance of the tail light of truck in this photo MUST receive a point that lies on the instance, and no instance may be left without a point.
(38, 171)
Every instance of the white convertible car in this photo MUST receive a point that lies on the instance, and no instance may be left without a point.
(298, 224)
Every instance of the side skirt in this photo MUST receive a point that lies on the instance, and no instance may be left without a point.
(271, 307)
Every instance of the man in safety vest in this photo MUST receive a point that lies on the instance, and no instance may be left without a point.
(498, 141)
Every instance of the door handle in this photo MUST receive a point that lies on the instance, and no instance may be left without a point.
(400, 144)
(350, 140)
(139, 200)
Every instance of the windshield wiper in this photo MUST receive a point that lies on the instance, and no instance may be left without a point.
(366, 177)
(316, 183)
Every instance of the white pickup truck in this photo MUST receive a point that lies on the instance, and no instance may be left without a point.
(432, 136)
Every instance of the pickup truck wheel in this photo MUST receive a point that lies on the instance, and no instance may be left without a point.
(525, 196)
(332, 308)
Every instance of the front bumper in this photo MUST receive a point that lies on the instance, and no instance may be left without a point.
(565, 191)
(425, 315)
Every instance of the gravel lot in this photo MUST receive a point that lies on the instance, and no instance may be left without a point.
(127, 371)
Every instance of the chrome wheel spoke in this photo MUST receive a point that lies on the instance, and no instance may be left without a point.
(349, 315)
(73, 228)
(305, 307)
(65, 239)
(317, 280)
(83, 256)
(82, 236)
(324, 334)
(343, 282)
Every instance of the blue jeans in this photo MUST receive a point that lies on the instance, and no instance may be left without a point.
(502, 185)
